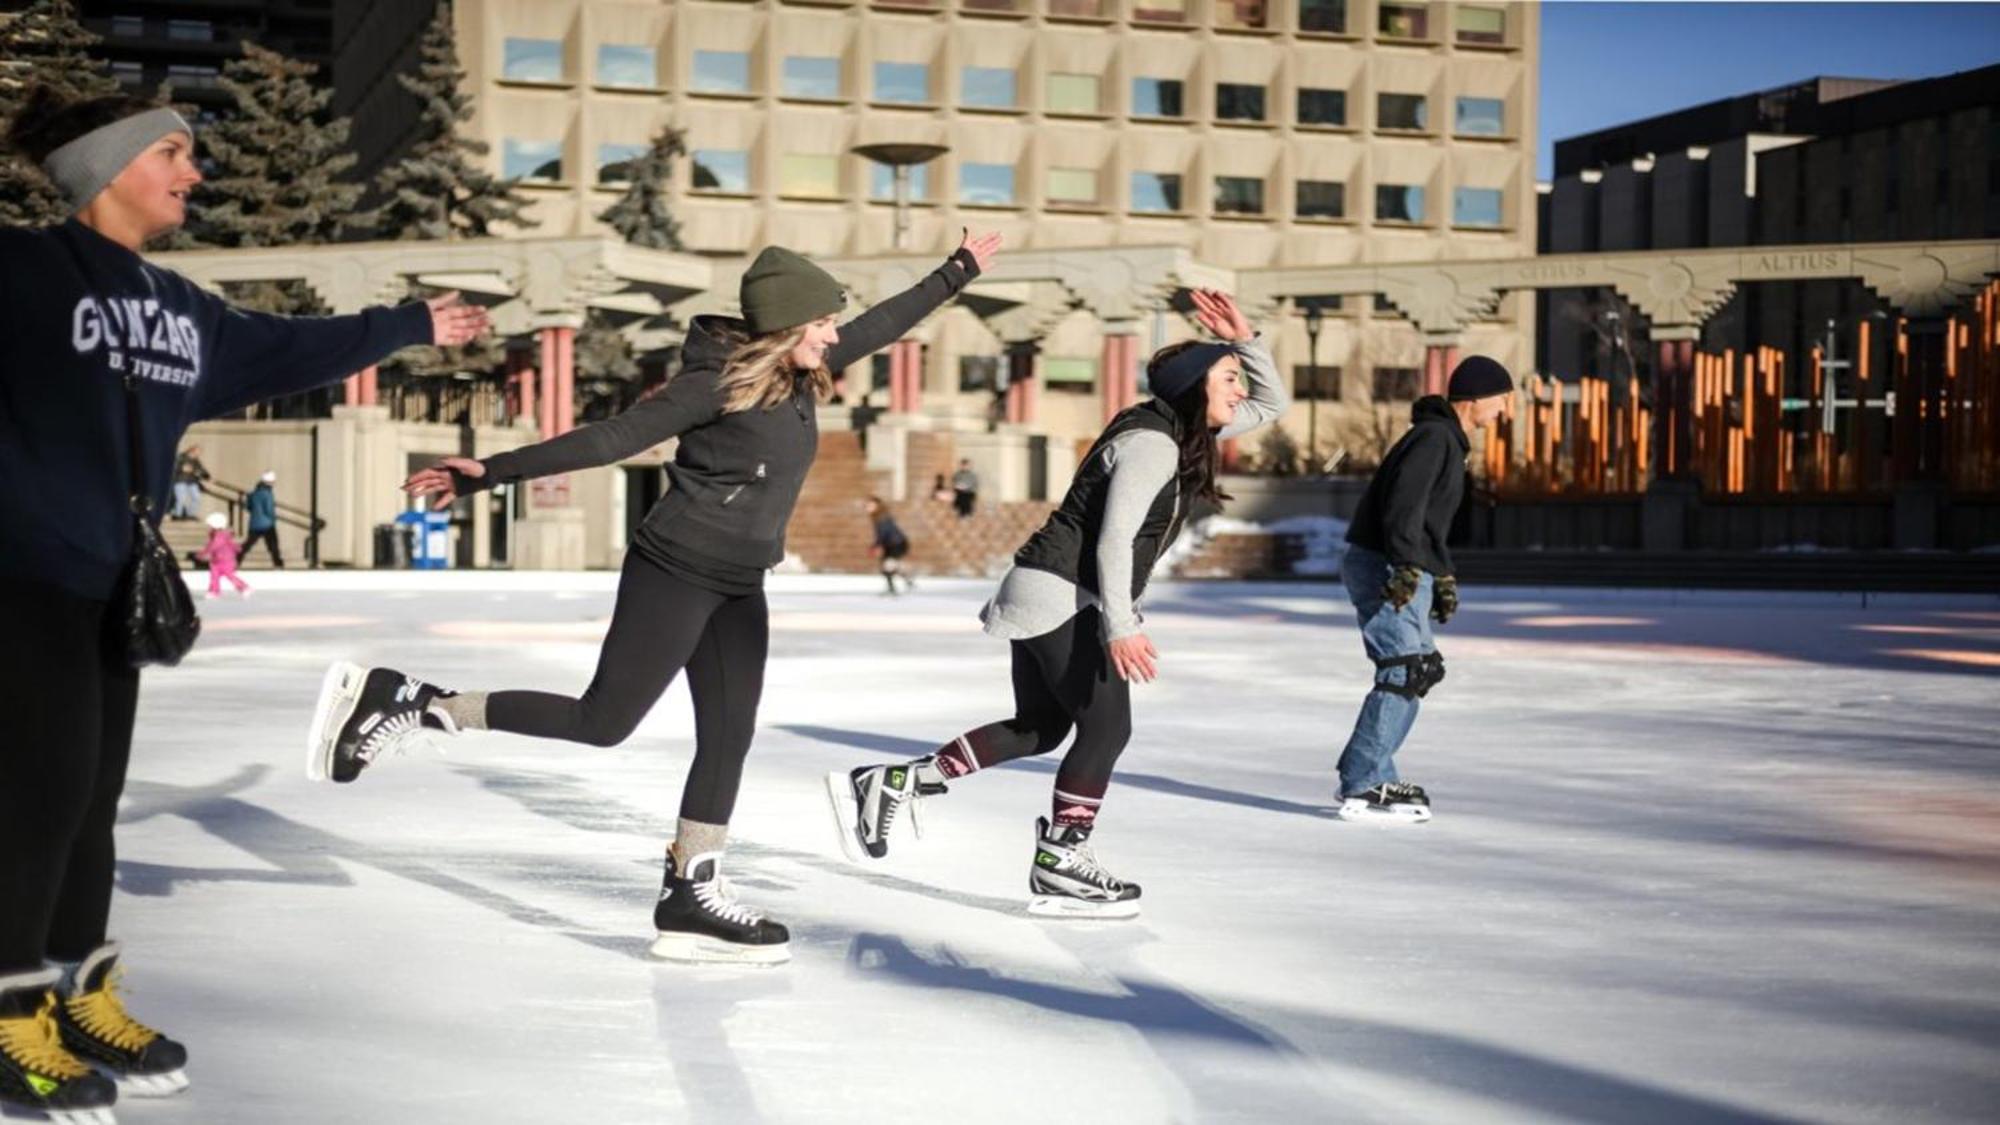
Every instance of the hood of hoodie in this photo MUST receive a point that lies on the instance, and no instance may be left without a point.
(710, 339)
(1434, 410)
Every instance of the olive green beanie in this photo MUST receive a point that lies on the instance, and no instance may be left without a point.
(783, 290)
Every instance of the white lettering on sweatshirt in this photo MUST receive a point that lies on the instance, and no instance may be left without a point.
(164, 346)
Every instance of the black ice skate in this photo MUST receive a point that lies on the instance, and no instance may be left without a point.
(1066, 881)
(96, 1028)
(1395, 802)
(364, 714)
(866, 799)
(700, 920)
(37, 1073)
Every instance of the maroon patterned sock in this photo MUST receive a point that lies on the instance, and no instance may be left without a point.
(1074, 810)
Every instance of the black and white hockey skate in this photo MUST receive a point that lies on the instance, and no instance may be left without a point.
(39, 1075)
(1394, 802)
(699, 920)
(96, 1028)
(1066, 881)
(866, 800)
(365, 714)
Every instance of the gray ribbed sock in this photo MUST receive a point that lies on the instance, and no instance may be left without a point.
(693, 838)
(466, 710)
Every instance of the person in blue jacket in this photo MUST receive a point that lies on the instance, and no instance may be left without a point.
(83, 317)
(262, 507)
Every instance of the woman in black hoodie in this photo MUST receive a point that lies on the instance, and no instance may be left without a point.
(692, 592)
(94, 341)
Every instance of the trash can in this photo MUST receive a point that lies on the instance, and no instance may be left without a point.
(430, 539)
(392, 546)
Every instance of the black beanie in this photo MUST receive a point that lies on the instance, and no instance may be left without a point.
(1478, 376)
(1186, 370)
(782, 290)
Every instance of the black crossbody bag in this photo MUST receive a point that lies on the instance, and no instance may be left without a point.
(155, 605)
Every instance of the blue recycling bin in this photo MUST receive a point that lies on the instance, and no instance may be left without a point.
(430, 539)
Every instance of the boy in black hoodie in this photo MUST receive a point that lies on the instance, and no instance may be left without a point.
(1398, 574)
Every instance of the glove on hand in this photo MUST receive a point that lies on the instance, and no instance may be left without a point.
(1444, 599)
(1402, 585)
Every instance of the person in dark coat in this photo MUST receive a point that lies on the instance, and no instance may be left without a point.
(890, 546)
(261, 507)
(1398, 573)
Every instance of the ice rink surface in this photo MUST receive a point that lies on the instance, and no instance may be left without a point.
(1717, 857)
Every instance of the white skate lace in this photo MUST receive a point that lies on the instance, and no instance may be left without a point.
(716, 897)
(394, 735)
(1083, 862)
(1399, 789)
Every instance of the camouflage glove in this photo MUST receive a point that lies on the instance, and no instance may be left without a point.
(1402, 585)
(1444, 599)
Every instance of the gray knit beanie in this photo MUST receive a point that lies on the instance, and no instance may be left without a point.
(782, 290)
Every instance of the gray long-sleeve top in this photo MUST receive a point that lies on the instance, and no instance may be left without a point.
(1031, 602)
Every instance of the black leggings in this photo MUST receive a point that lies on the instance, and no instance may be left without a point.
(1064, 679)
(660, 625)
(65, 738)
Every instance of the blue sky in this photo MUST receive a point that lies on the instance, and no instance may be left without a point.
(1605, 64)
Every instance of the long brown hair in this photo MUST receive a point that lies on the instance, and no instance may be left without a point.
(1201, 454)
(759, 375)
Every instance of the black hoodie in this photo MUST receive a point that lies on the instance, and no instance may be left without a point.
(735, 477)
(1407, 510)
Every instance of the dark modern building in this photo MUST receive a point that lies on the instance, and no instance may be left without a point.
(186, 42)
(1828, 160)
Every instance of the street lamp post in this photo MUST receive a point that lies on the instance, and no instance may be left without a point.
(901, 158)
(1315, 317)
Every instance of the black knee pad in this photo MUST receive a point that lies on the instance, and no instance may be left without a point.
(1421, 673)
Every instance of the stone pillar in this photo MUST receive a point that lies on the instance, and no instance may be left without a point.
(558, 380)
(1119, 367)
(1440, 356)
(521, 376)
(359, 389)
(1673, 401)
(1021, 385)
(906, 376)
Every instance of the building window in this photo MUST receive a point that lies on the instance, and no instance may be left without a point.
(1328, 17)
(811, 76)
(191, 31)
(1241, 14)
(1073, 185)
(721, 170)
(903, 83)
(988, 87)
(615, 162)
(128, 27)
(722, 72)
(1073, 93)
(128, 73)
(993, 5)
(978, 373)
(1402, 111)
(1234, 102)
(1160, 11)
(1476, 207)
(533, 161)
(1074, 375)
(1310, 383)
(1480, 117)
(809, 176)
(532, 60)
(1157, 97)
(1322, 199)
(1396, 384)
(1404, 21)
(183, 77)
(1482, 25)
(1086, 9)
(629, 65)
(1156, 192)
(1239, 195)
(988, 184)
(882, 182)
(1323, 107)
(1399, 203)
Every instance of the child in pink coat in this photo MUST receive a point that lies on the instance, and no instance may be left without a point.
(220, 554)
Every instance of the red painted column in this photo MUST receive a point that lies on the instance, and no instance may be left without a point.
(565, 380)
(1119, 372)
(906, 376)
(1673, 404)
(521, 378)
(545, 417)
(1439, 359)
(350, 390)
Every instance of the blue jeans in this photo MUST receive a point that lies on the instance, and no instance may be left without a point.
(187, 499)
(1386, 632)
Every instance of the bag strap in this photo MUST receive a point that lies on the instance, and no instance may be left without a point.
(142, 504)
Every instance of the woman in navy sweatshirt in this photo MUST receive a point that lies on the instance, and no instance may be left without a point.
(81, 314)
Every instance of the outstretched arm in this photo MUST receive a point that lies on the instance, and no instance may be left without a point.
(260, 355)
(1268, 401)
(886, 322)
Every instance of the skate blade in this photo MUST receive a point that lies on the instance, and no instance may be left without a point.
(697, 949)
(1403, 816)
(1063, 906)
(846, 816)
(99, 1116)
(163, 1085)
(339, 691)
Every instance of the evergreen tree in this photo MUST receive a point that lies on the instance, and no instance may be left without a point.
(640, 216)
(44, 44)
(274, 160)
(438, 189)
